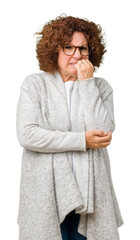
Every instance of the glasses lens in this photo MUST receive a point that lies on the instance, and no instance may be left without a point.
(84, 50)
(69, 49)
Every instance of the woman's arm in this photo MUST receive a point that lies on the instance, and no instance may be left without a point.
(33, 137)
(97, 105)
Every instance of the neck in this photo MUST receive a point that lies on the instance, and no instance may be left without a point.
(68, 77)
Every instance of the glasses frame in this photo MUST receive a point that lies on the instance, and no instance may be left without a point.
(89, 49)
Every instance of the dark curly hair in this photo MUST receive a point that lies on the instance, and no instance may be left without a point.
(58, 32)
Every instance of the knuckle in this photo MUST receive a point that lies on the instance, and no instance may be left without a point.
(96, 145)
(98, 140)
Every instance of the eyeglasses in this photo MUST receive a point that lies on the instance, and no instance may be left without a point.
(71, 49)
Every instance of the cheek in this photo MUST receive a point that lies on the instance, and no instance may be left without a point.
(86, 57)
(63, 60)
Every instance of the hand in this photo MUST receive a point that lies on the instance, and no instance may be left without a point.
(85, 69)
(97, 139)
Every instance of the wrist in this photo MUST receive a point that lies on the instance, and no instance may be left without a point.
(85, 79)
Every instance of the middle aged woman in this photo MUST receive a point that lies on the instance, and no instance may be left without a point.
(65, 120)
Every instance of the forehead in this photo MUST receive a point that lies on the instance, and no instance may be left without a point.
(78, 38)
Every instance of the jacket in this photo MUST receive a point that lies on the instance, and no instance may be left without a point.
(48, 188)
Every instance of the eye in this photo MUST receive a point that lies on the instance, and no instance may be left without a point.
(68, 47)
(83, 48)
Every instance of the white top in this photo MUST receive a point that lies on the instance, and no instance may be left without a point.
(69, 87)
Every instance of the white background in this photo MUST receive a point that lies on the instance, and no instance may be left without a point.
(120, 22)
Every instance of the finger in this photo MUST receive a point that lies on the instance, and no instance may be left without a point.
(78, 67)
(99, 133)
(82, 64)
(110, 134)
(80, 61)
(86, 62)
(105, 144)
(89, 62)
(104, 139)
(101, 145)
(89, 66)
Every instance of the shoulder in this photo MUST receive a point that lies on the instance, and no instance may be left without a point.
(34, 79)
(102, 84)
(104, 87)
(34, 83)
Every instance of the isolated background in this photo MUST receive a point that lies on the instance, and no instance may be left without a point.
(19, 20)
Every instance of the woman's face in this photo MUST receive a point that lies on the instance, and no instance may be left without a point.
(66, 64)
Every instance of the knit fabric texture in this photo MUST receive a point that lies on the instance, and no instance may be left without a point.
(48, 188)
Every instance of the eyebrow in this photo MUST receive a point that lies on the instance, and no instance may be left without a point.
(79, 45)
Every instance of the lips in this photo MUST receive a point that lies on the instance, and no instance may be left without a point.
(73, 64)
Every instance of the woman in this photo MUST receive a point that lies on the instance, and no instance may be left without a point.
(65, 120)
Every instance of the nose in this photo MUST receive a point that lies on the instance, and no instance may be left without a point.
(77, 54)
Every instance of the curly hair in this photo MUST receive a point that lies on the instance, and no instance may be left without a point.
(59, 31)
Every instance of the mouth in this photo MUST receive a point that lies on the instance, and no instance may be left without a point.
(73, 64)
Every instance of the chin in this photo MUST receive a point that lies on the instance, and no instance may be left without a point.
(73, 72)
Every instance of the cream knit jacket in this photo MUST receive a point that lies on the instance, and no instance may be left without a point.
(48, 189)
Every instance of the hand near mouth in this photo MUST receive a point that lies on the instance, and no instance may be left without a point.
(85, 69)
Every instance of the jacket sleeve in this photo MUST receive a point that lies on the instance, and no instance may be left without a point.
(33, 137)
(97, 103)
